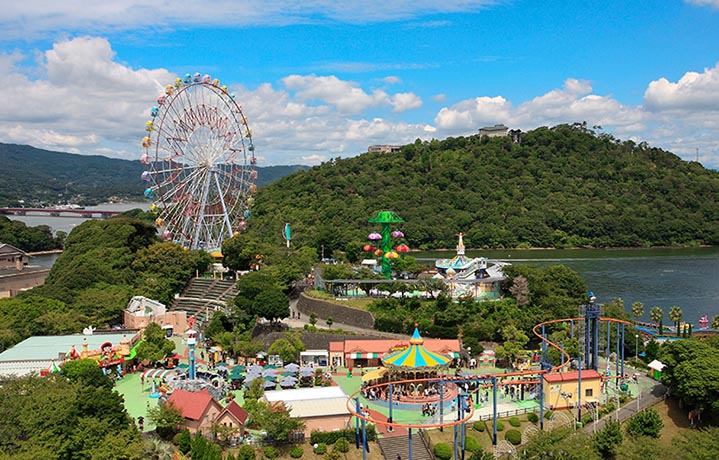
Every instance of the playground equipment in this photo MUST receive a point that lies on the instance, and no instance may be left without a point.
(493, 381)
(384, 240)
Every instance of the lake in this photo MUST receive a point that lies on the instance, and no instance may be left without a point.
(665, 277)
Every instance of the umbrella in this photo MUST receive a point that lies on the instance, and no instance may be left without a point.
(269, 384)
(221, 368)
(236, 371)
(254, 368)
(288, 382)
(220, 364)
(269, 373)
(292, 367)
(251, 377)
(272, 378)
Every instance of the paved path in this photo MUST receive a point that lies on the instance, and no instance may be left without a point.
(655, 392)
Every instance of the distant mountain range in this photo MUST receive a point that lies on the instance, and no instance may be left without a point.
(42, 176)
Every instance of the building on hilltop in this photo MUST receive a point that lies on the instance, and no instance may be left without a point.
(384, 148)
(16, 275)
(494, 131)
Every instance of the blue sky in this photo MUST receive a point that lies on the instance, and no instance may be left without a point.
(322, 79)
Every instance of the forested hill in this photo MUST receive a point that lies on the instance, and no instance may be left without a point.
(32, 175)
(561, 187)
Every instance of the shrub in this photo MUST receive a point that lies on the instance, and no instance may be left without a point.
(270, 452)
(321, 448)
(330, 437)
(479, 426)
(183, 441)
(514, 421)
(296, 452)
(471, 444)
(246, 453)
(532, 417)
(333, 455)
(443, 451)
(500, 425)
(548, 414)
(513, 436)
(645, 423)
(342, 445)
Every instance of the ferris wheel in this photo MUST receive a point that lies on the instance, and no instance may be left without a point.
(200, 163)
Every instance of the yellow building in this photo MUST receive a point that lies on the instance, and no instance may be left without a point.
(561, 390)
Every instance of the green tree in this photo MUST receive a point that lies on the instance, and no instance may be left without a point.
(657, 315)
(675, 315)
(56, 418)
(329, 322)
(514, 342)
(275, 419)
(155, 346)
(637, 310)
(167, 418)
(608, 440)
(271, 304)
(645, 423)
(288, 349)
(86, 372)
(715, 322)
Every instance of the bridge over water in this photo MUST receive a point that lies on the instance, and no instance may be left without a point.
(60, 212)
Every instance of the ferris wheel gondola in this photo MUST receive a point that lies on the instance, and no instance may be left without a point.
(200, 163)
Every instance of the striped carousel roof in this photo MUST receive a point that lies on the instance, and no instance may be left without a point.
(416, 356)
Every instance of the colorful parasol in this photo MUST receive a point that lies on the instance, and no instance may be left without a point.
(416, 356)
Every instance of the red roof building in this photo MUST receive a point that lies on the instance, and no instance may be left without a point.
(199, 409)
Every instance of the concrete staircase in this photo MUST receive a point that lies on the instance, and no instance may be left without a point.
(391, 446)
(202, 296)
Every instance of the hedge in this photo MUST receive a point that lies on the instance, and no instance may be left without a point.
(500, 425)
(443, 451)
(270, 452)
(342, 445)
(532, 417)
(514, 421)
(471, 444)
(330, 437)
(479, 426)
(513, 436)
(296, 452)
(548, 414)
(321, 448)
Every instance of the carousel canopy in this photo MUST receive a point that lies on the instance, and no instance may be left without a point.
(156, 374)
(416, 356)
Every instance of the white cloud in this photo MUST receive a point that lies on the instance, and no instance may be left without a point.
(472, 113)
(401, 102)
(39, 17)
(712, 3)
(392, 80)
(693, 91)
(346, 96)
(78, 98)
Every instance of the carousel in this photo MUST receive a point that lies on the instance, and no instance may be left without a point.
(415, 363)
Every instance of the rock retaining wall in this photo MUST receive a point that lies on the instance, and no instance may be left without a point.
(339, 314)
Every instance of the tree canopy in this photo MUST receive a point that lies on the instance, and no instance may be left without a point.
(564, 186)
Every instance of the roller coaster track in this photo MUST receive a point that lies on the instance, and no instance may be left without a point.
(351, 404)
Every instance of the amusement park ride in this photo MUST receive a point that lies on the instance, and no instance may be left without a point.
(465, 410)
(200, 163)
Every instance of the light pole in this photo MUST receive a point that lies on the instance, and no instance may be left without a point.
(636, 345)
